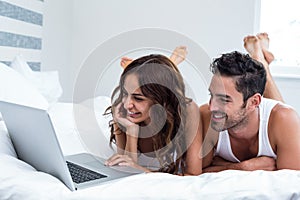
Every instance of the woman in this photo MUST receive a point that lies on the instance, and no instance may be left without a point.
(155, 126)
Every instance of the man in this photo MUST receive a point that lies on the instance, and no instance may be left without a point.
(243, 130)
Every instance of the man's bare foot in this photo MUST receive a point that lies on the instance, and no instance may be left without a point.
(264, 43)
(252, 45)
(179, 54)
(125, 61)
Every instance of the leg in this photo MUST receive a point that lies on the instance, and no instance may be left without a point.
(264, 43)
(179, 54)
(125, 61)
(253, 46)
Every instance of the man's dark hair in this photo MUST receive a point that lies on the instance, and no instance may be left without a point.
(250, 74)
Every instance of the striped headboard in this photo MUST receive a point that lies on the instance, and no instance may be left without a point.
(21, 23)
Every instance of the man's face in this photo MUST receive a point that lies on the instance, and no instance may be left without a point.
(226, 104)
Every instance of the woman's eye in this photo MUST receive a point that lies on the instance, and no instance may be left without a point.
(138, 99)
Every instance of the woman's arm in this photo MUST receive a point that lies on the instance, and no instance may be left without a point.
(131, 142)
(194, 141)
(127, 136)
(120, 138)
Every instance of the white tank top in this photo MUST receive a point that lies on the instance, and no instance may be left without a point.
(264, 148)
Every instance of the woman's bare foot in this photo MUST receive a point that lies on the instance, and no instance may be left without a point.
(264, 43)
(179, 54)
(125, 61)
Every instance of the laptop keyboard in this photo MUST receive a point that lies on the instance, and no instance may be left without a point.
(80, 174)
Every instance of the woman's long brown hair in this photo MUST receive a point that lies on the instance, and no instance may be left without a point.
(161, 82)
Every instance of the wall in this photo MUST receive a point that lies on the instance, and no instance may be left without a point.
(288, 82)
(73, 29)
(57, 41)
(21, 25)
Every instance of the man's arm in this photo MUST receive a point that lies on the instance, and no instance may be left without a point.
(284, 132)
(216, 164)
(258, 163)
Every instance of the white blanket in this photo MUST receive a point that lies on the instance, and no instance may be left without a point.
(18, 180)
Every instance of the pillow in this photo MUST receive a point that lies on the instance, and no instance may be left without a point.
(98, 105)
(19, 180)
(93, 126)
(80, 129)
(47, 82)
(48, 85)
(6, 146)
(16, 89)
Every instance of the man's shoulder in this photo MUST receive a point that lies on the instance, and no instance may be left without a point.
(283, 110)
(278, 107)
(281, 116)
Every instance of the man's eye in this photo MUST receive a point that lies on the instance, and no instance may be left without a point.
(225, 100)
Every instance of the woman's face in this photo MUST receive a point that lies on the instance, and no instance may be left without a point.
(137, 106)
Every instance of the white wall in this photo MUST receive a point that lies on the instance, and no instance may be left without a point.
(57, 41)
(72, 29)
(288, 82)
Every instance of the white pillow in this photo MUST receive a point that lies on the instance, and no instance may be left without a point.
(6, 146)
(80, 129)
(46, 82)
(93, 127)
(19, 180)
(16, 89)
(98, 105)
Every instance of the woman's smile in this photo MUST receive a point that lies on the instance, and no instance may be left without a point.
(133, 114)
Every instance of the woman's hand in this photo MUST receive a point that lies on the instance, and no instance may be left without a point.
(124, 160)
(119, 116)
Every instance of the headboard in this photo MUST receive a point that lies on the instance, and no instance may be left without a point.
(21, 24)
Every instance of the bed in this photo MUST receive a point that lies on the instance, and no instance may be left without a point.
(18, 180)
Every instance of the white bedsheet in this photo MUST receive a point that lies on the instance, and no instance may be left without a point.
(18, 180)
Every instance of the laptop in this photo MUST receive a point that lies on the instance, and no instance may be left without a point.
(35, 141)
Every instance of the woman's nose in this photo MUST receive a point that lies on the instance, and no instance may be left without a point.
(128, 103)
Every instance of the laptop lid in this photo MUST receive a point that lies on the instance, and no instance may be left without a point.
(35, 142)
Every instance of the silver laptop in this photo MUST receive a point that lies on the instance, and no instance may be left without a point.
(35, 142)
